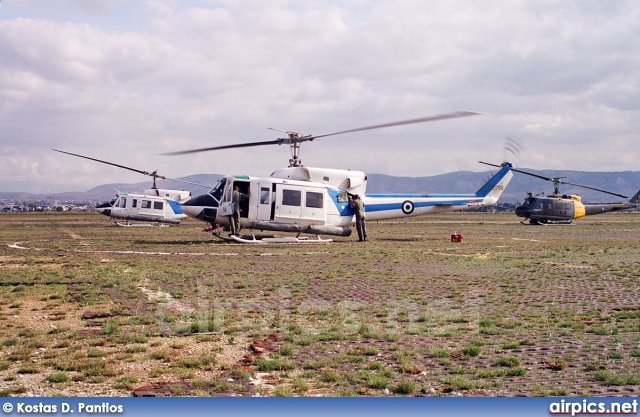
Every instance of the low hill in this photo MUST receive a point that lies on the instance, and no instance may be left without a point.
(624, 182)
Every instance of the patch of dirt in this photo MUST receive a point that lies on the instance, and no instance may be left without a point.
(163, 297)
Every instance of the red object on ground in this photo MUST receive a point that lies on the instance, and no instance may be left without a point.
(457, 238)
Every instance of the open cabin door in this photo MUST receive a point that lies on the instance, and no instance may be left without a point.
(226, 203)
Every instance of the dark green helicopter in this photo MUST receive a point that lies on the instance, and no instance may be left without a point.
(559, 208)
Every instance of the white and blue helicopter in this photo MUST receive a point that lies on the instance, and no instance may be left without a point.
(315, 201)
(153, 206)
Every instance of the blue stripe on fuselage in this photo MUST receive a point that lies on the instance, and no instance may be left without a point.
(373, 207)
(343, 208)
(175, 206)
(410, 196)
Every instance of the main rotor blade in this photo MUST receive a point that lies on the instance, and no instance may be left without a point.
(239, 145)
(187, 182)
(400, 123)
(538, 176)
(493, 165)
(151, 174)
(108, 163)
(523, 172)
(594, 189)
(558, 181)
(300, 139)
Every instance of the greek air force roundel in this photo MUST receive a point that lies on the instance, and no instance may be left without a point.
(407, 207)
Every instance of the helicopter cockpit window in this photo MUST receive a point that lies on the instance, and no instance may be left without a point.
(217, 191)
(343, 197)
(122, 203)
(314, 200)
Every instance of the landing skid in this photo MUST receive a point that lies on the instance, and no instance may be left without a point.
(253, 239)
(129, 224)
(548, 222)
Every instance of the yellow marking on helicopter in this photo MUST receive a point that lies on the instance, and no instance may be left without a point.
(578, 208)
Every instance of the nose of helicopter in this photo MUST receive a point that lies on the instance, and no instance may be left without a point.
(522, 211)
(104, 208)
(203, 207)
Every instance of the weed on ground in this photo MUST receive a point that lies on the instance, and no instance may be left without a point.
(88, 308)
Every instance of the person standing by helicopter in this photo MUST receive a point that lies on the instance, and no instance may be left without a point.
(234, 219)
(357, 205)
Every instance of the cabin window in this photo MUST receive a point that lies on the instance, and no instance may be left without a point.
(146, 204)
(134, 203)
(314, 200)
(343, 197)
(291, 198)
(158, 205)
(264, 195)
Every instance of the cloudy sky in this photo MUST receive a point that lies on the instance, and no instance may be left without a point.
(126, 81)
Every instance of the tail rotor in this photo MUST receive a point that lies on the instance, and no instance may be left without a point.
(513, 147)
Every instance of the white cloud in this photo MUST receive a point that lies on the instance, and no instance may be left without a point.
(125, 81)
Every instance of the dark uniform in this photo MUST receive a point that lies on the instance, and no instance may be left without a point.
(234, 219)
(357, 205)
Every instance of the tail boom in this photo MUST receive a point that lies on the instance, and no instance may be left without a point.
(393, 206)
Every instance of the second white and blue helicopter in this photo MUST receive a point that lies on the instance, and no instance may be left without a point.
(153, 206)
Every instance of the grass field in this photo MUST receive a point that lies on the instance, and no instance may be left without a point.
(88, 308)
